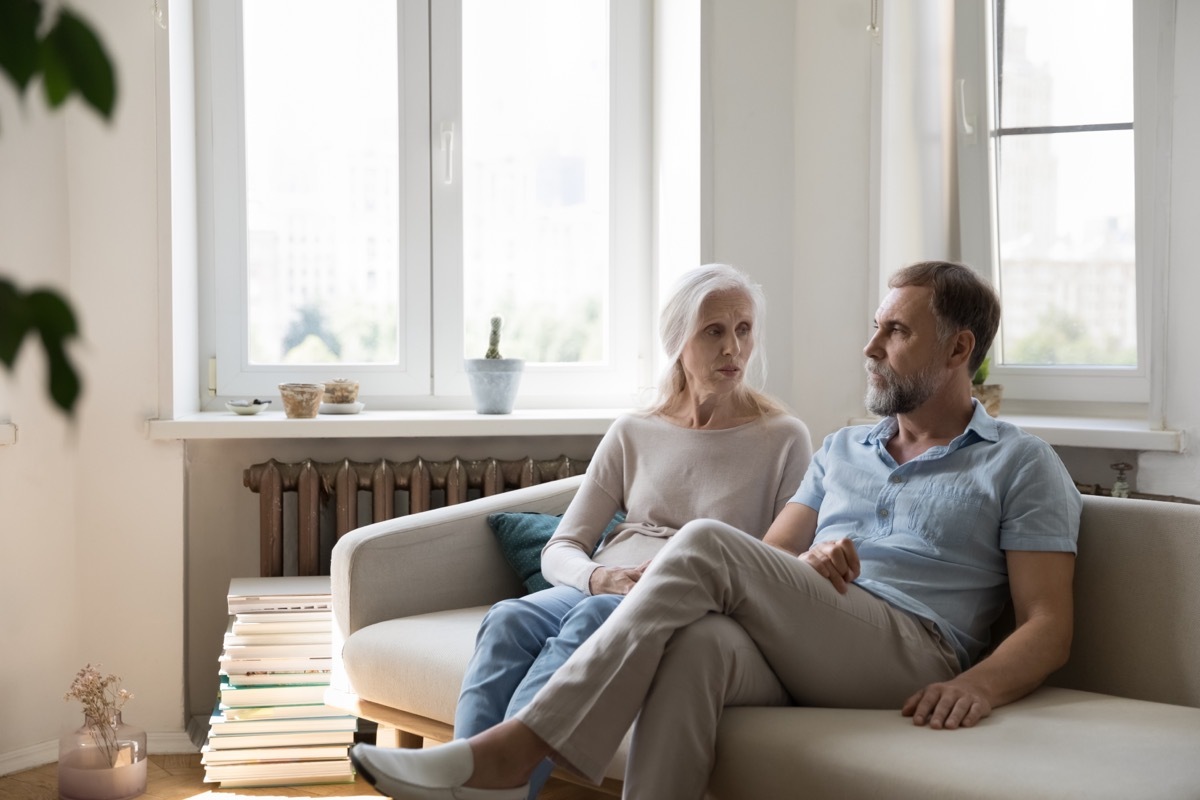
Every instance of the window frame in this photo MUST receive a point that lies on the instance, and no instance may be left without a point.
(431, 373)
(975, 119)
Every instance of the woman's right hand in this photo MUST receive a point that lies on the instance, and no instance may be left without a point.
(615, 580)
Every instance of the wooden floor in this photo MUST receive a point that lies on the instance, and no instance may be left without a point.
(181, 777)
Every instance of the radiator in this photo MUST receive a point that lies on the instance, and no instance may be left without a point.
(339, 482)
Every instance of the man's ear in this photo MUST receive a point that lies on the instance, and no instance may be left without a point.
(963, 345)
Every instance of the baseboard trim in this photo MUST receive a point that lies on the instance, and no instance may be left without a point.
(36, 755)
(164, 742)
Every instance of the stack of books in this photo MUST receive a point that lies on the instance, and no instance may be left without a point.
(271, 726)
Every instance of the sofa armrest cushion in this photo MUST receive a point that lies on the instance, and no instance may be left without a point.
(523, 534)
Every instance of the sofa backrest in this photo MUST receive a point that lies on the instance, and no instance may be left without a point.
(1137, 602)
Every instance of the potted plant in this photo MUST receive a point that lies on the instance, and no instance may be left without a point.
(987, 393)
(494, 379)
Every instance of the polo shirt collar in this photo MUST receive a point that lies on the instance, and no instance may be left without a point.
(981, 424)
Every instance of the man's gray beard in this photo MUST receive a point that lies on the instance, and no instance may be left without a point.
(898, 395)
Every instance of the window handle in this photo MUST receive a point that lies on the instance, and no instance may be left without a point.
(966, 124)
(448, 152)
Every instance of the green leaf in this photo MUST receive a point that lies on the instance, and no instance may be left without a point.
(64, 381)
(74, 47)
(14, 322)
(56, 80)
(53, 317)
(48, 313)
(19, 40)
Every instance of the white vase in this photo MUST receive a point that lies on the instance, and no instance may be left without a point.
(494, 383)
(103, 760)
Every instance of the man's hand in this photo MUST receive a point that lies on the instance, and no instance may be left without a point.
(837, 561)
(953, 704)
(615, 580)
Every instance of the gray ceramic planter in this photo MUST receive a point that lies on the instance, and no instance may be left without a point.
(494, 383)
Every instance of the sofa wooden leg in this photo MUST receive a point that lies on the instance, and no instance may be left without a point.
(387, 736)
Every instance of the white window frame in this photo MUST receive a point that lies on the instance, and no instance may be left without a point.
(430, 373)
(975, 121)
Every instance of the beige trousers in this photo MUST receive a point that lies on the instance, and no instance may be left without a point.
(666, 653)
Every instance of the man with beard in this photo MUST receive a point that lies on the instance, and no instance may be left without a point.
(875, 587)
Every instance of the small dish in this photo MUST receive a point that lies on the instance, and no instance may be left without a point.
(341, 408)
(247, 407)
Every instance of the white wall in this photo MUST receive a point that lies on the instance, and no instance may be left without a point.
(38, 585)
(747, 109)
(93, 513)
(829, 314)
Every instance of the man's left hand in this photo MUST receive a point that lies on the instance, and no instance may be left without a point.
(949, 705)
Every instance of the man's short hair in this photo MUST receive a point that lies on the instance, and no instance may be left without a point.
(961, 299)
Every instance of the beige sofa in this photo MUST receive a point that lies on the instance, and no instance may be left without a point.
(1121, 720)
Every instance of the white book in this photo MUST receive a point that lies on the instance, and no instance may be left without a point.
(259, 639)
(277, 678)
(244, 651)
(308, 780)
(280, 712)
(305, 694)
(295, 617)
(268, 754)
(218, 726)
(325, 768)
(263, 628)
(243, 666)
(280, 739)
(283, 593)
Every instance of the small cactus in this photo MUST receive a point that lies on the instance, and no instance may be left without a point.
(493, 350)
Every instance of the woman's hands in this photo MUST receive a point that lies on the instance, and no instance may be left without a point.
(837, 561)
(615, 580)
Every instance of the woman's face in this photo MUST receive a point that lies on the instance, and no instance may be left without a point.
(714, 358)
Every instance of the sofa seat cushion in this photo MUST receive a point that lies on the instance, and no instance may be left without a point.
(1056, 743)
(414, 663)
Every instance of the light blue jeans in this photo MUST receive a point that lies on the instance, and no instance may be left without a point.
(521, 643)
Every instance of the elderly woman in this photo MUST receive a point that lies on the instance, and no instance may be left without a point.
(712, 446)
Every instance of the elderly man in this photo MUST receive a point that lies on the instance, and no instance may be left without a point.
(875, 586)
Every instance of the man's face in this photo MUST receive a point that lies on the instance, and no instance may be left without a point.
(905, 361)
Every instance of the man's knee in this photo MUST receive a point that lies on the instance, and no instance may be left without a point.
(703, 538)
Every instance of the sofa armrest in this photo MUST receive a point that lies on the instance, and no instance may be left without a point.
(432, 561)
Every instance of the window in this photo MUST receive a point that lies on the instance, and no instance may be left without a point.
(385, 177)
(1056, 147)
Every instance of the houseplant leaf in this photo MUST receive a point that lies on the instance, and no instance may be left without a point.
(19, 41)
(74, 60)
(47, 313)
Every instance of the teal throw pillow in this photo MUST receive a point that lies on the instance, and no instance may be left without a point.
(523, 534)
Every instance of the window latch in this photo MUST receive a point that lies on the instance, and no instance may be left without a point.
(966, 124)
(448, 152)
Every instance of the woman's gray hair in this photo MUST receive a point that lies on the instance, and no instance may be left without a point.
(680, 319)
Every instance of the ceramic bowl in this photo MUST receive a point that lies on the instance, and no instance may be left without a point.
(247, 407)
(341, 391)
(301, 400)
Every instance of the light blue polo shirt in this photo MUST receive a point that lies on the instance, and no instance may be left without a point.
(931, 533)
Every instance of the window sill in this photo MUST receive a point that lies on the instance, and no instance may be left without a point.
(1096, 432)
(384, 424)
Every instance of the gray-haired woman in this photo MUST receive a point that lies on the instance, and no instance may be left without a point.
(712, 445)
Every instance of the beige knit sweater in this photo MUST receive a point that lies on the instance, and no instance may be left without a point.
(663, 476)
